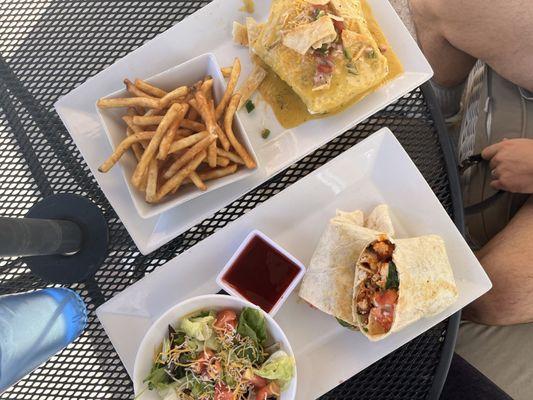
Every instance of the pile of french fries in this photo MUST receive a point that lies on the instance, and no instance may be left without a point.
(179, 137)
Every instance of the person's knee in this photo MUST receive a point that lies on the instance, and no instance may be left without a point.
(484, 311)
(425, 12)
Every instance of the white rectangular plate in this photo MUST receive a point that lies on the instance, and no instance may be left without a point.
(209, 30)
(377, 170)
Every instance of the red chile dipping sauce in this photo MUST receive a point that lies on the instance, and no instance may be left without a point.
(261, 273)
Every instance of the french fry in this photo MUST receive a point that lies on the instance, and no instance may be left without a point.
(187, 142)
(197, 181)
(150, 89)
(136, 129)
(231, 156)
(193, 115)
(135, 91)
(207, 89)
(217, 173)
(192, 125)
(171, 133)
(212, 154)
(136, 147)
(226, 71)
(232, 83)
(199, 147)
(151, 183)
(171, 96)
(228, 123)
(143, 120)
(153, 147)
(177, 179)
(221, 161)
(128, 102)
(144, 183)
(153, 111)
(182, 134)
(123, 147)
(128, 119)
(220, 133)
(205, 111)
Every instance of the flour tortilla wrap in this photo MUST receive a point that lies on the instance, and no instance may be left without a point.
(328, 282)
(426, 283)
(380, 220)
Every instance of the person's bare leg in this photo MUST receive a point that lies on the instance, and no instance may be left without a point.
(508, 260)
(454, 33)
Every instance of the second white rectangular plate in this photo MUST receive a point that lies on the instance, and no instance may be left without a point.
(377, 170)
(209, 30)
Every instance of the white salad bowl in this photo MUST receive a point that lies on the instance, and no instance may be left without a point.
(154, 337)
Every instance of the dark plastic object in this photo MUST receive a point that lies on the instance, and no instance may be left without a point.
(66, 43)
(38, 237)
(94, 239)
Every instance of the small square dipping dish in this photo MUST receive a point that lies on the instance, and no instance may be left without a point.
(264, 264)
(186, 73)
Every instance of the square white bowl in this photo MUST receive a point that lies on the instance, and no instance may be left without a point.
(187, 73)
(256, 233)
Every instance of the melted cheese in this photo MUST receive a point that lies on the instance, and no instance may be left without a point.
(288, 106)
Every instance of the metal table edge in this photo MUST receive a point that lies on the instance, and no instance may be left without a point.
(450, 160)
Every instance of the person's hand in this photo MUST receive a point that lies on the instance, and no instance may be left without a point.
(511, 163)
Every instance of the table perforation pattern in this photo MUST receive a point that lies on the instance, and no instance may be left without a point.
(47, 48)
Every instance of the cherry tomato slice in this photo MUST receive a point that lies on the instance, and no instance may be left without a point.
(226, 319)
(222, 392)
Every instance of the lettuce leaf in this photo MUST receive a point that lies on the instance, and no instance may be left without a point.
(199, 326)
(279, 367)
(158, 379)
(252, 324)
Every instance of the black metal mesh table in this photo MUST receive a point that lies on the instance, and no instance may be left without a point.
(48, 47)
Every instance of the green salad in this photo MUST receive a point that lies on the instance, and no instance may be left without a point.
(220, 356)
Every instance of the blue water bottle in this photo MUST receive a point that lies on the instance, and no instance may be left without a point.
(34, 326)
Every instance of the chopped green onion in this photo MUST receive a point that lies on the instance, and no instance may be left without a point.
(352, 69)
(346, 53)
(345, 324)
(371, 54)
(324, 49)
(265, 133)
(249, 106)
(318, 13)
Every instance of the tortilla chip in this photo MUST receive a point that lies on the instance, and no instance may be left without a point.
(313, 34)
(251, 84)
(240, 34)
(253, 28)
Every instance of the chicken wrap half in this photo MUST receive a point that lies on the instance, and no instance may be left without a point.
(398, 282)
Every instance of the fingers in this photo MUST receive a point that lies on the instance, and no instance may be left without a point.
(491, 151)
(496, 184)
